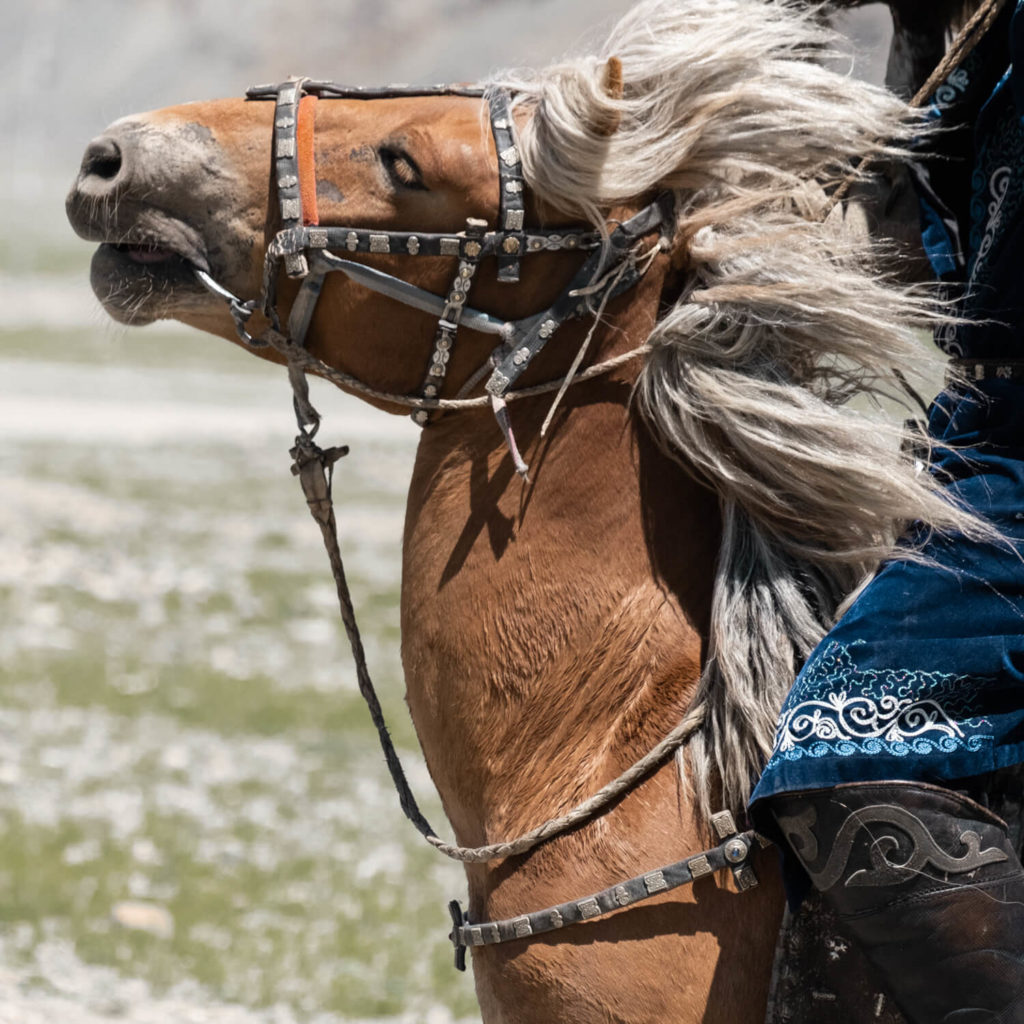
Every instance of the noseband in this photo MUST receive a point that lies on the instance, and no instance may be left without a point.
(309, 252)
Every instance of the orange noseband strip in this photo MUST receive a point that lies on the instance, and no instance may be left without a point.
(307, 162)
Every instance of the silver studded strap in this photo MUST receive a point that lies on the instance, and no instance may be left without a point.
(733, 852)
(448, 324)
(286, 166)
(510, 177)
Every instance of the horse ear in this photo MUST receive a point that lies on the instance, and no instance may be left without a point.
(607, 122)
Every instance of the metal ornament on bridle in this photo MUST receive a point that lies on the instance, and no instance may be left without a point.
(309, 252)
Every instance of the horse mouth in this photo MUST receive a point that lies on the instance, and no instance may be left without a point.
(138, 282)
(144, 266)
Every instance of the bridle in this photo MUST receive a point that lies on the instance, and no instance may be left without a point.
(308, 251)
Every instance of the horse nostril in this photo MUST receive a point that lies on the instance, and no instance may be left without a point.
(102, 159)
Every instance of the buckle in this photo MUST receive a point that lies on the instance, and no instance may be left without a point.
(458, 920)
(735, 849)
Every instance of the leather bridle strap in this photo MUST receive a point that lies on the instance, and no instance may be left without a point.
(733, 852)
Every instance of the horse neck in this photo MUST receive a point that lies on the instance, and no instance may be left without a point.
(551, 631)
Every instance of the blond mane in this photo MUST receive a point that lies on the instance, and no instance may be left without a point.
(731, 105)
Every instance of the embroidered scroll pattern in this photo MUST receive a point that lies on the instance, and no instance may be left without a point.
(841, 709)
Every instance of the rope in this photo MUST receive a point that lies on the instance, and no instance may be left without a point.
(314, 468)
(582, 813)
(961, 47)
(307, 361)
(967, 39)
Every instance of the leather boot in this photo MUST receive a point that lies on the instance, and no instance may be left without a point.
(928, 884)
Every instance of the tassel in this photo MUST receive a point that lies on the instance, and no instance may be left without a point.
(501, 415)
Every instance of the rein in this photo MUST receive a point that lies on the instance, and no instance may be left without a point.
(613, 266)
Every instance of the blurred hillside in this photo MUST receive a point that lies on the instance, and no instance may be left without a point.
(72, 66)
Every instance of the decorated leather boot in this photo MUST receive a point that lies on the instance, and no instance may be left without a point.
(928, 884)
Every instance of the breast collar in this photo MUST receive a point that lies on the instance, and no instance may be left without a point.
(308, 250)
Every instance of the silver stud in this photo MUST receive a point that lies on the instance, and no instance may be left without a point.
(699, 866)
(421, 416)
(514, 220)
(724, 824)
(500, 122)
(318, 238)
(621, 896)
(473, 249)
(655, 882)
(556, 919)
(521, 356)
(588, 908)
(351, 241)
(430, 390)
(287, 181)
(511, 245)
(295, 265)
(535, 243)
(745, 878)
(521, 927)
(436, 369)
(465, 272)
(476, 936)
(449, 247)
(457, 298)
(547, 328)
(286, 147)
(571, 242)
(510, 156)
(442, 356)
(284, 122)
(444, 343)
(514, 187)
(736, 851)
(412, 245)
(380, 243)
(286, 97)
(291, 209)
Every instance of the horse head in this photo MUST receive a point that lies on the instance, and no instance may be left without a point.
(403, 182)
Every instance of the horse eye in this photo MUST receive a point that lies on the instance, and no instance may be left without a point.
(401, 168)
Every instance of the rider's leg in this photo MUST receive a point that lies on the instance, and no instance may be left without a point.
(927, 882)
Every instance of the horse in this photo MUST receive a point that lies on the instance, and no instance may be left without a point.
(656, 503)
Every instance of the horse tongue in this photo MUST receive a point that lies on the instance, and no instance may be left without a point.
(146, 253)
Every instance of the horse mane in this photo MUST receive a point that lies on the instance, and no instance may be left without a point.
(780, 321)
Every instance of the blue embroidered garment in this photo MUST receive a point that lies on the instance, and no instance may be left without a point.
(923, 678)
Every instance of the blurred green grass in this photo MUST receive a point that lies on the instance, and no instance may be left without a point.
(178, 717)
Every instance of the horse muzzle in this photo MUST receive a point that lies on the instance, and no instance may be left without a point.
(138, 193)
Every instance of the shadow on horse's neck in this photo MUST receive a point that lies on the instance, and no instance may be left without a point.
(551, 631)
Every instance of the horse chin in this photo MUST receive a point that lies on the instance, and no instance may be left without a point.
(137, 284)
